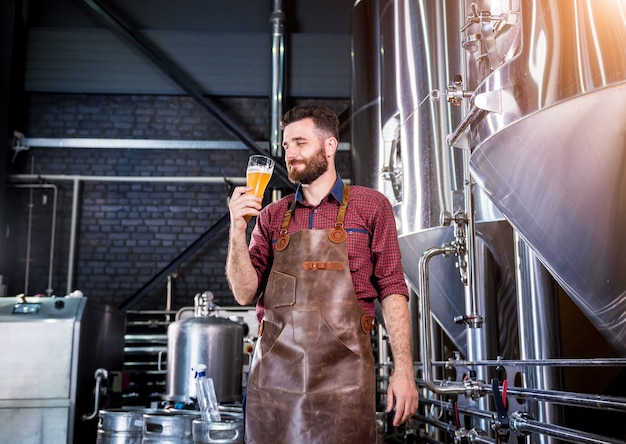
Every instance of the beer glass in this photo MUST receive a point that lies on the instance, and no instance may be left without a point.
(258, 174)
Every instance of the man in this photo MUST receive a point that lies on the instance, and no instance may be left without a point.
(316, 262)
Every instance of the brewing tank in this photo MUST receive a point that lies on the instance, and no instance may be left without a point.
(210, 340)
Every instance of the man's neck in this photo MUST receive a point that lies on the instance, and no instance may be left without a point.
(314, 193)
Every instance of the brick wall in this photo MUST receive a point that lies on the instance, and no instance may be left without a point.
(129, 231)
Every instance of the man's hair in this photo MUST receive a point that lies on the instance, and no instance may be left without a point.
(324, 118)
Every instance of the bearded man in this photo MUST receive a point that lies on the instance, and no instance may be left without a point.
(317, 261)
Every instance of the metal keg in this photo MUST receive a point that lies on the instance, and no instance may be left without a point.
(169, 427)
(210, 340)
(120, 426)
(226, 431)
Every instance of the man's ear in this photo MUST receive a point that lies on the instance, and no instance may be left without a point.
(330, 145)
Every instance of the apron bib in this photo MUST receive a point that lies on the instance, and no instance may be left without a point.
(312, 376)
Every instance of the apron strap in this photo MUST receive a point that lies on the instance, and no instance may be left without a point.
(339, 234)
(283, 237)
(336, 235)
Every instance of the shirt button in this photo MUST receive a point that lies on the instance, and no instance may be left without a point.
(315, 211)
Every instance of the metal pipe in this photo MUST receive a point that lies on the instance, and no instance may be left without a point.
(384, 365)
(590, 362)
(476, 334)
(73, 228)
(521, 423)
(471, 435)
(100, 375)
(49, 290)
(485, 414)
(454, 138)
(29, 233)
(600, 402)
(278, 77)
(28, 242)
(426, 325)
(165, 179)
(168, 296)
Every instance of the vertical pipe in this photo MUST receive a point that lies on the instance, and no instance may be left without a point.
(29, 232)
(476, 337)
(278, 76)
(53, 230)
(539, 330)
(73, 228)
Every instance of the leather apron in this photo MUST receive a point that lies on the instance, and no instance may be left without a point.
(312, 376)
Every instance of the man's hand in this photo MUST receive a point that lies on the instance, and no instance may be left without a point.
(403, 391)
(242, 205)
(240, 272)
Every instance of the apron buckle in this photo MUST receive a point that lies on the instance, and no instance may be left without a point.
(322, 266)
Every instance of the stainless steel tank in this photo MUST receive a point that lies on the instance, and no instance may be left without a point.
(400, 126)
(210, 340)
(548, 141)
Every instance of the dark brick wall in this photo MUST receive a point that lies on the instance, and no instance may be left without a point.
(128, 231)
(142, 117)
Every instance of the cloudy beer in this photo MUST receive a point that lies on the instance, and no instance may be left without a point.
(258, 174)
(258, 178)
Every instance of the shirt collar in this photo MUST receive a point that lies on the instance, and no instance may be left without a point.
(336, 191)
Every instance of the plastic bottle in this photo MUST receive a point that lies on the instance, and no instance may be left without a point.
(205, 393)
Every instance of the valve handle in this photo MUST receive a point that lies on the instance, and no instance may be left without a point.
(501, 416)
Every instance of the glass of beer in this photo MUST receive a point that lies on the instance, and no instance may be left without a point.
(258, 174)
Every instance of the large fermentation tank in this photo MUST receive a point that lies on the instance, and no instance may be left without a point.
(49, 352)
(400, 127)
(507, 117)
(548, 138)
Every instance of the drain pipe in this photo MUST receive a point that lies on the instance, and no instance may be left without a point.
(471, 388)
(277, 20)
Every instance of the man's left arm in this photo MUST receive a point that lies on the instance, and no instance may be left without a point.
(401, 387)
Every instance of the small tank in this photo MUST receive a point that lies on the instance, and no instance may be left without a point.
(204, 339)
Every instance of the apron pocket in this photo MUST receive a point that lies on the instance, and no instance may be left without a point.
(280, 368)
(330, 364)
(307, 357)
(283, 292)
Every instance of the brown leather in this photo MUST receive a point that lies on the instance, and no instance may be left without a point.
(366, 324)
(312, 375)
(322, 265)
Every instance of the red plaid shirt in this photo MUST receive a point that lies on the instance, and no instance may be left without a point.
(373, 251)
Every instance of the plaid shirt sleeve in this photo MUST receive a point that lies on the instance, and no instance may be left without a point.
(379, 264)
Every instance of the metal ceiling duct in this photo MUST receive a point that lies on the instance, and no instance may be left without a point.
(547, 131)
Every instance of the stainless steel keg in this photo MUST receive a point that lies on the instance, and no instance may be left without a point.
(169, 427)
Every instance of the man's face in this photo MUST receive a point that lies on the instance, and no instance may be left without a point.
(305, 154)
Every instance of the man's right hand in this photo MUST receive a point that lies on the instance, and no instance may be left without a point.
(243, 205)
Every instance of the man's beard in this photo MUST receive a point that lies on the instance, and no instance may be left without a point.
(314, 167)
